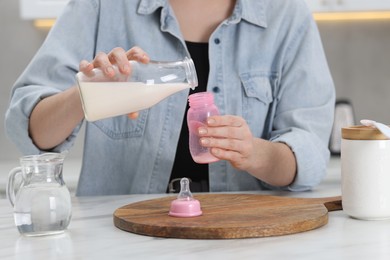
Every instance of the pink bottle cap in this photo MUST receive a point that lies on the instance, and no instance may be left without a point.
(185, 205)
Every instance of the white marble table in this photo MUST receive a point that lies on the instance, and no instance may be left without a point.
(92, 235)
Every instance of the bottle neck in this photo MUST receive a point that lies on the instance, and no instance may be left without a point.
(201, 99)
(190, 72)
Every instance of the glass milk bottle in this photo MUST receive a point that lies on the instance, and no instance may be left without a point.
(201, 107)
(147, 84)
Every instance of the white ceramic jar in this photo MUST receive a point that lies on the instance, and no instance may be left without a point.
(365, 173)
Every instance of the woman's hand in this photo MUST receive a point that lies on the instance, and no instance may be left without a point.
(119, 57)
(230, 138)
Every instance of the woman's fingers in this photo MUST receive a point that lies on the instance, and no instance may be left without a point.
(228, 126)
(136, 53)
(118, 56)
(229, 138)
(133, 115)
(103, 62)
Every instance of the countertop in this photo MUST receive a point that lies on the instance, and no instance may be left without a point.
(92, 235)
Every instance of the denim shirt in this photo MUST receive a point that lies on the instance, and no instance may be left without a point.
(267, 65)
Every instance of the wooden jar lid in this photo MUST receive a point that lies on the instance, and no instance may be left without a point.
(361, 132)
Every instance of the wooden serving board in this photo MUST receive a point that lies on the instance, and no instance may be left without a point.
(228, 216)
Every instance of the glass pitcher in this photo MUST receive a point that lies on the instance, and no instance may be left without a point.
(36, 190)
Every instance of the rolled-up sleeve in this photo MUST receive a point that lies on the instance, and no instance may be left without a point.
(305, 107)
(23, 101)
(52, 70)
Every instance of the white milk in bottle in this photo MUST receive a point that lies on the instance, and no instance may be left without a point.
(108, 99)
(147, 85)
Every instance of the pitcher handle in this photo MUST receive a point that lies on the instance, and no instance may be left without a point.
(11, 184)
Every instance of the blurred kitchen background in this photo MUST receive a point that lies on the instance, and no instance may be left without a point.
(357, 46)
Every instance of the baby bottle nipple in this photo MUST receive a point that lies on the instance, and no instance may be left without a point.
(185, 205)
(185, 193)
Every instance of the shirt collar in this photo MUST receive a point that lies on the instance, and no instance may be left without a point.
(248, 10)
(149, 6)
(251, 11)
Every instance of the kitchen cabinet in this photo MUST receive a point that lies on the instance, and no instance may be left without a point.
(41, 9)
(348, 5)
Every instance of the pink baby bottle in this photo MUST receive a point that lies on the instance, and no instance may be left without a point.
(201, 107)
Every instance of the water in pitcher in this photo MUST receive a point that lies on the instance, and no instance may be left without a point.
(42, 209)
(106, 99)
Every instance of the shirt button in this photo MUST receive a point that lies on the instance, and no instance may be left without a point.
(216, 89)
(217, 41)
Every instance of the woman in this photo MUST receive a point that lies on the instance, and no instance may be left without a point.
(262, 59)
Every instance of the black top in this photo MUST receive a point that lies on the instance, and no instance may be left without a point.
(184, 165)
